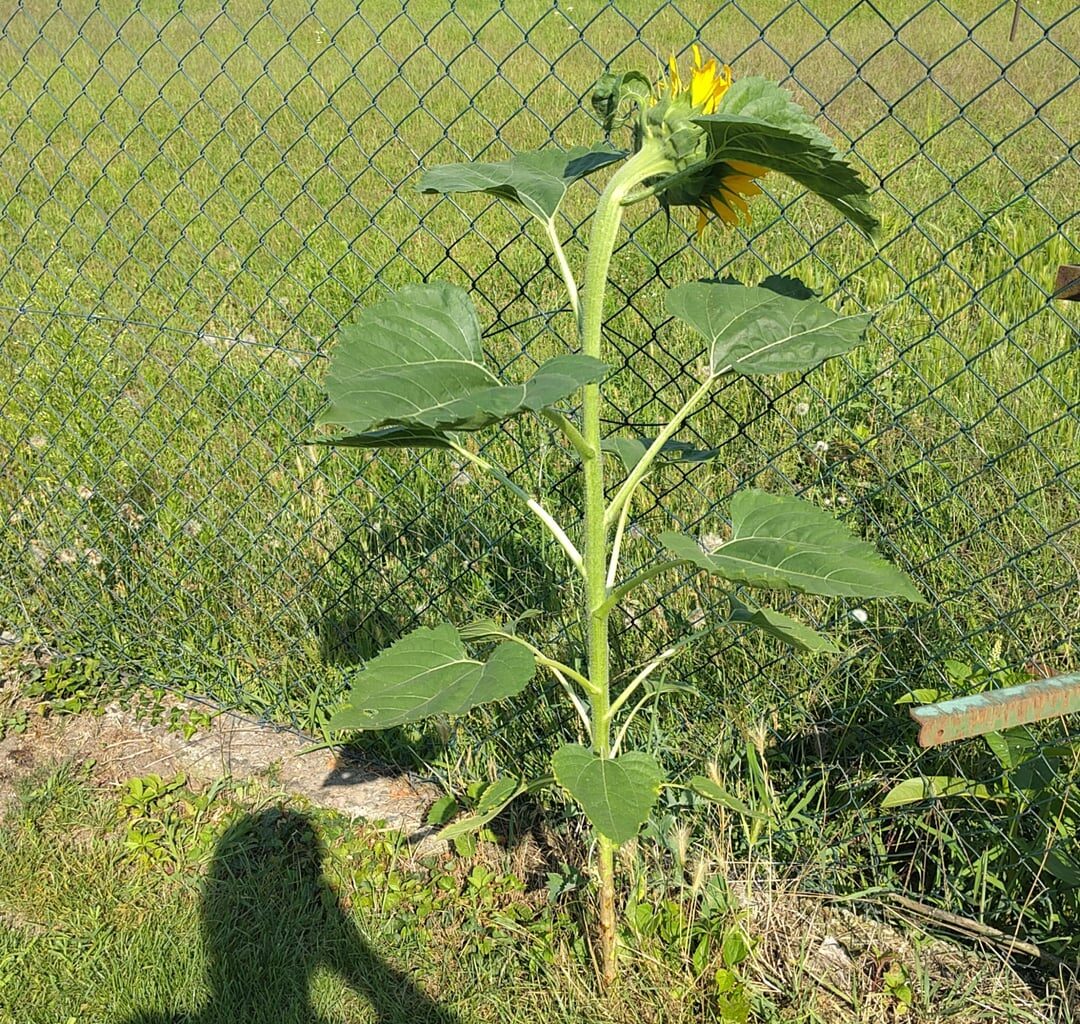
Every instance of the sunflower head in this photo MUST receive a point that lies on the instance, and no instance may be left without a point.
(719, 188)
(666, 118)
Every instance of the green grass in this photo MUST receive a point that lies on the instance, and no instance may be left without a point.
(151, 901)
(191, 199)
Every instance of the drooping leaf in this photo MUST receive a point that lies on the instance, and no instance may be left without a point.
(390, 437)
(714, 793)
(492, 801)
(658, 688)
(791, 631)
(1013, 747)
(412, 368)
(442, 810)
(785, 543)
(759, 330)
(631, 450)
(912, 791)
(920, 696)
(758, 123)
(494, 629)
(537, 180)
(616, 793)
(1064, 866)
(429, 673)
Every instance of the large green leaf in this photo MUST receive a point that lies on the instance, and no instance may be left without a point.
(616, 793)
(412, 367)
(912, 791)
(537, 180)
(786, 629)
(785, 543)
(429, 673)
(758, 123)
(758, 330)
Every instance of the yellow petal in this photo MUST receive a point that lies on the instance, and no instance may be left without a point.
(752, 170)
(733, 199)
(701, 87)
(741, 183)
(720, 86)
(725, 214)
(676, 82)
(702, 222)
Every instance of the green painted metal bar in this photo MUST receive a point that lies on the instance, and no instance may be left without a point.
(981, 713)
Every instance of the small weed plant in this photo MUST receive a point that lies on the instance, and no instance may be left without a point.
(411, 372)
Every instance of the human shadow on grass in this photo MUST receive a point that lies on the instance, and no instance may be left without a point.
(270, 920)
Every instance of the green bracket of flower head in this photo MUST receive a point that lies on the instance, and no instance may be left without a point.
(617, 98)
(536, 180)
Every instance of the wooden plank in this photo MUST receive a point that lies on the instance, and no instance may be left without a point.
(997, 709)
(1067, 285)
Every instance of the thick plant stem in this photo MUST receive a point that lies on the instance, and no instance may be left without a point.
(605, 228)
(608, 932)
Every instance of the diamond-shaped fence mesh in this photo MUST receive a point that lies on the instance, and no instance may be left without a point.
(194, 197)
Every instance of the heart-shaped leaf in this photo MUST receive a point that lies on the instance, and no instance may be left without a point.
(631, 450)
(412, 367)
(758, 330)
(616, 793)
(758, 123)
(791, 631)
(537, 180)
(429, 673)
(785, 543)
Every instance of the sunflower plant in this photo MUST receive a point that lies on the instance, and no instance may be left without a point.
(411, 372)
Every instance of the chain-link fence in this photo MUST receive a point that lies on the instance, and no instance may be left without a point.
(194, 196)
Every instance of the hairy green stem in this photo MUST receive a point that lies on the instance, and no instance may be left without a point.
(568, 430)
(644, 674)
(616, 545)
(635, 581)
(605, 227)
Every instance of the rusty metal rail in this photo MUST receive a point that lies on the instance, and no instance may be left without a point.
(1067, 285)
(981, 713)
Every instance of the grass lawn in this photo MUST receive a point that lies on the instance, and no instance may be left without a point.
(144, 899)
(192, 197)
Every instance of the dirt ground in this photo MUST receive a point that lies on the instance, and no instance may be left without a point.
(123, 743)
